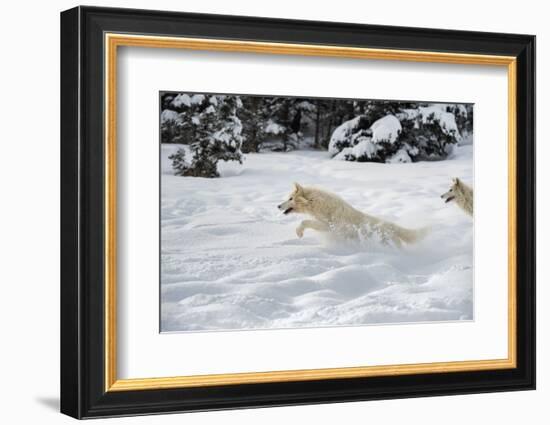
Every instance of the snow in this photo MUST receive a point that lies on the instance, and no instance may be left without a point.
(386, 129)
(230, 133)
(274, 128)
(229, 168)
(184, 99)
(460, 108)
(364, 147)
(437, 113)
(341, 134)
(401, 156)
(306, 106)
(169, 115)
(210, 110)
(181, 99)
(231, 260)
(168, 149)
(225, 168)
(445, 119)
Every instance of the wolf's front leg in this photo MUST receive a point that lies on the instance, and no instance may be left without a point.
(311, 224)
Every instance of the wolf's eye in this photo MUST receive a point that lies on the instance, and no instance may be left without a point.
(290, 198)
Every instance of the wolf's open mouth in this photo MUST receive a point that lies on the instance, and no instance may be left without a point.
(449, 199)
(287, 210)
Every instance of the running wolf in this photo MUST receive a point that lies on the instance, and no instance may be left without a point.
(331, 213)
(462, 195)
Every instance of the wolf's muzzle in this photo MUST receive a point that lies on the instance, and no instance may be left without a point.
(447, 198)
(282, 208)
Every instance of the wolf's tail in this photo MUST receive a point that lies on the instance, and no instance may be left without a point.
(410, 236)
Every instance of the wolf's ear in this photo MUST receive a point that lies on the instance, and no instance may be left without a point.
(298, 188)
(456, 180)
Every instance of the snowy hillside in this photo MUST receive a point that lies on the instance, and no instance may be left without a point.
(231, 260)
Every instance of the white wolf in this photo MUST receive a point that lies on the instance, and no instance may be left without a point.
(462, 195)
(331, 213)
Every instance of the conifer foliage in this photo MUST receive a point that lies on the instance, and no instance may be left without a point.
(215, 127)
(214, 130)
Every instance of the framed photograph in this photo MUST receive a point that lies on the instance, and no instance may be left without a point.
(261, 212)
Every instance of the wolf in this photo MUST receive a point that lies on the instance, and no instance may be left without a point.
(461, 194)
(332, 214)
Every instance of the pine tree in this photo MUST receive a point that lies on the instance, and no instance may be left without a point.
(418, 131)
(334, 112)
(179, 164)
(175, 118)
(285, 121)
(254, 117)
(216, 135)
(171, 126)
(430, 130)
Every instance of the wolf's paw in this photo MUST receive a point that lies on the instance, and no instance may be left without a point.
(300, 231)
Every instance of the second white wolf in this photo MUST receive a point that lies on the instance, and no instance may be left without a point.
(462, 195)
(331, 213)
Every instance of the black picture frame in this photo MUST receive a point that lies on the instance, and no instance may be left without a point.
(83, 392)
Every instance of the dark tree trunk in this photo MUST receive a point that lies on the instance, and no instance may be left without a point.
(330, 125)
(317, 142)
(296, 122)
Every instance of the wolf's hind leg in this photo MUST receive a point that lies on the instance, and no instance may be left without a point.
(311, 224)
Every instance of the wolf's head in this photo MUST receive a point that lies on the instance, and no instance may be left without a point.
(296, 202)
(451, 194)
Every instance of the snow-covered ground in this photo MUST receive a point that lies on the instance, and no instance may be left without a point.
(231, 260)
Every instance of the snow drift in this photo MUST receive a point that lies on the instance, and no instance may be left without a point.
(230, 260)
